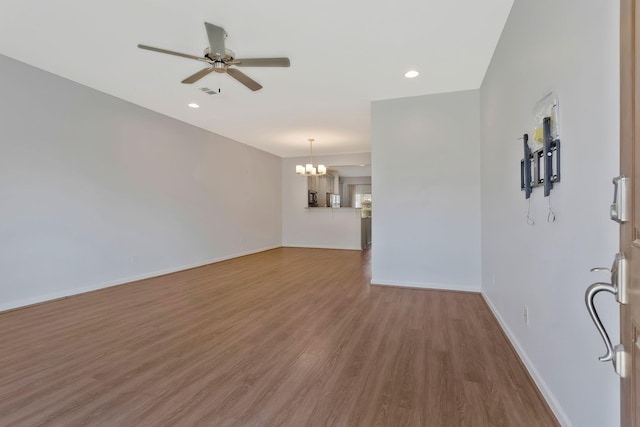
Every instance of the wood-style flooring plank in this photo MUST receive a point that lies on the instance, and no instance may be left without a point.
(287, 337)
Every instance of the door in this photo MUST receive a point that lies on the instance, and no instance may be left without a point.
(630, 229)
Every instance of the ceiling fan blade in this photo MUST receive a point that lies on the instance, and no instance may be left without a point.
(216, 40)
(170, 52)
(261, 62)
(244, 79)
(197, 76)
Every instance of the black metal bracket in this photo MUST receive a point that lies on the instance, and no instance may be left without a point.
(551, 152)
(525, 168)
(540, 167)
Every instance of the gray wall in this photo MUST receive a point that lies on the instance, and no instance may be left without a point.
(569, 47)
(425, 172)
(95, 191)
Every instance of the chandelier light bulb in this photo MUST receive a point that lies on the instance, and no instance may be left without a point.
(309, 169)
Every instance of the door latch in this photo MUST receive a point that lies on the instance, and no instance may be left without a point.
(618, 273)
(620, 208)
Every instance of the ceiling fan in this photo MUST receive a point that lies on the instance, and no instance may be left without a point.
(221, 59)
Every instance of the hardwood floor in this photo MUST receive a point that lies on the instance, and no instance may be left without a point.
(288, 337)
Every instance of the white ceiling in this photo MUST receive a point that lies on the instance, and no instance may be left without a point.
(343, 54)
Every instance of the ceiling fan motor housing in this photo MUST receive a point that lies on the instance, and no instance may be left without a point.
(229, 55)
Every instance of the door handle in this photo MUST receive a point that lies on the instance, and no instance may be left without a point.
(617, 287)
(592, 291)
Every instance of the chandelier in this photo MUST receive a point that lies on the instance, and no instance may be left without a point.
(309, 169)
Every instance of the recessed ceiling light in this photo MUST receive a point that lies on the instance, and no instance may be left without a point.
(411, 74)
(193, 105)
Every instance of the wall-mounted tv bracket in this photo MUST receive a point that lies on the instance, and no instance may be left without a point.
(525, 168)
(543, 165)
(551, 152)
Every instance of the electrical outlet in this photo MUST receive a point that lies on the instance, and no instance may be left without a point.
(133, 258)
(525, 315)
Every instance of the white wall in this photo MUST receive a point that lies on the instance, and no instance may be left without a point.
(88, 181)
(317, 227)
(425, 172)
(570, 47)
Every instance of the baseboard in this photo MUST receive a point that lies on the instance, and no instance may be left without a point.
(417, 285)
(121, 281)
(344, 248)
(533, 372)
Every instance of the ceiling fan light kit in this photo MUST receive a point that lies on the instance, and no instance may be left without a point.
(309, 169)
(221, 59)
